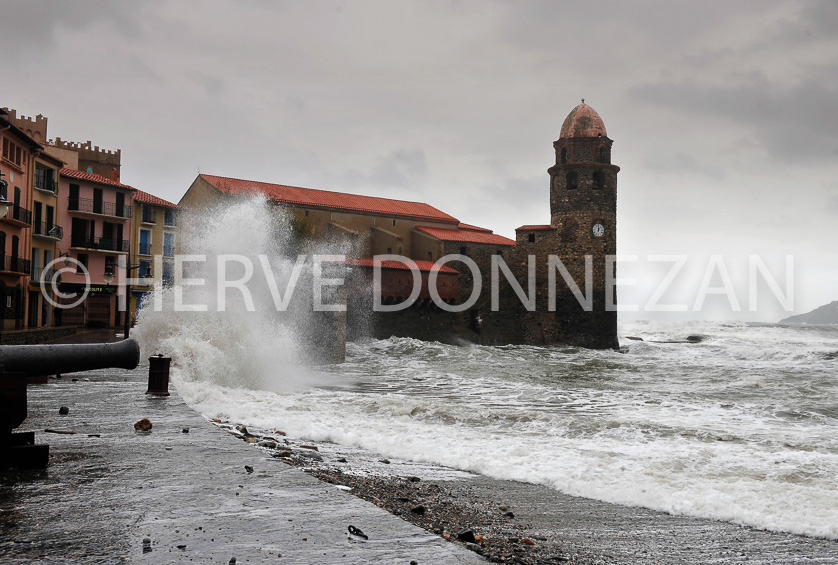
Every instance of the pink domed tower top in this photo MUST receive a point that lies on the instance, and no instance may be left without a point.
(583, 121)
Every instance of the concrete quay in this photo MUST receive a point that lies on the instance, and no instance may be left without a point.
(187, 494)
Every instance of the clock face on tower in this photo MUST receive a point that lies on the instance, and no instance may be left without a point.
(599, 230)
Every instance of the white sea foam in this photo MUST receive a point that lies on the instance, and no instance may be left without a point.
(739, 427)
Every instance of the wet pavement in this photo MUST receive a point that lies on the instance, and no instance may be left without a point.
(188, 495)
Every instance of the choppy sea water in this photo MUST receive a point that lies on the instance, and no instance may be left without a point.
(742, 426)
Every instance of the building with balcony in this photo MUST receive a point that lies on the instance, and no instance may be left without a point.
(45, 237)
(97, 212)
(152, 244)
(15, 168)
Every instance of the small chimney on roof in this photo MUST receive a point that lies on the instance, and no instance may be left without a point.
(114, 175)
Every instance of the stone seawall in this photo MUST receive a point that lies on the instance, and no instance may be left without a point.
(35, 336)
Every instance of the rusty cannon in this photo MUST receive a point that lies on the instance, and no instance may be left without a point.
(19, 362)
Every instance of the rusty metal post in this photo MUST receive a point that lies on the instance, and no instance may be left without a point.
(158, 375)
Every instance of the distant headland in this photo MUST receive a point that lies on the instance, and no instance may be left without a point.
(826, 314)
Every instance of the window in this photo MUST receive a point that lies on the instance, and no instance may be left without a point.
(145, 269)
(148, 214)
(12, 153)
(35, 273)
(602, 157)
(73, 200)
(572, 180)
(531, 238)
(44, 179)
(463, 250)
(37, 217)
(81, 265)
(394, 223)
(168, 273)
(169, 217)
(389, 251)
(564, 155)
(145, 242)
(110, 266)
(97, 200)
(168, 245)
(599, 180)
(430, 256)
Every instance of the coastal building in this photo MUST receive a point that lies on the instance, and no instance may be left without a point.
(98, 213)
(15, 226)
(369, 226)
(152, 244)
(582, 231)
(46, 236)
(571, 302)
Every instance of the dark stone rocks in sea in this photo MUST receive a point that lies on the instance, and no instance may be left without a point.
(267, 443)
(385, 461)
(509, 514)
(466, 535)
(184, 431)
(248, 468)
(695, 338)
(418, 509)
(312, 447)
(242, 430)
(342, 460)
(310, 455)
(63, 410)
(634, 338)
(283, 453)
(414, 479)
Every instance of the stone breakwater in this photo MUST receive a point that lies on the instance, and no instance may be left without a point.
(513, 522)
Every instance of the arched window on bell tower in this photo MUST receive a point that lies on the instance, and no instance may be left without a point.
(599, 180)
(602, 156)
(572, 180)
(564, 155)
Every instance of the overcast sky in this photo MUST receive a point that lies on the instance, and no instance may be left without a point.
(723, 114)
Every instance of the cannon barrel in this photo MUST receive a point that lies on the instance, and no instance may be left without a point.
(38, 360)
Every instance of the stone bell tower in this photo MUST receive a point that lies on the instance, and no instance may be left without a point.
(583, 218)
(582, 231)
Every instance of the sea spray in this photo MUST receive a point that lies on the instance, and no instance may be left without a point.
(234, 337)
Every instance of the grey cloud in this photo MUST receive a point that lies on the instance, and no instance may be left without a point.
(212, 85)
(403, 167)
(797, 122)
(33, 26)
(399, 171)
(680, 163)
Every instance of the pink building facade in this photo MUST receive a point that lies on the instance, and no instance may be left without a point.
(97, 218)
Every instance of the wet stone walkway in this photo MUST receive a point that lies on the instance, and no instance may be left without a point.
(112, 494)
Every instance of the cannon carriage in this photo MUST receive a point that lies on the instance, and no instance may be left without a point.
(19, 362)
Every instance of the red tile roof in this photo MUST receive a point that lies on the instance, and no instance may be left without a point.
(470, 236)
(93, 177)
(330, 200)
(535, 228)
(423, 265)
(463, 226)
(146, 198)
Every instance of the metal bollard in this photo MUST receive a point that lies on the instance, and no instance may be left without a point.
(158, 375)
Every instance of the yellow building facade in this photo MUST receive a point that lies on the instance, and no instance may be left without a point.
(152, 245)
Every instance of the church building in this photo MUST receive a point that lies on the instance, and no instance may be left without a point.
(571, 257)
